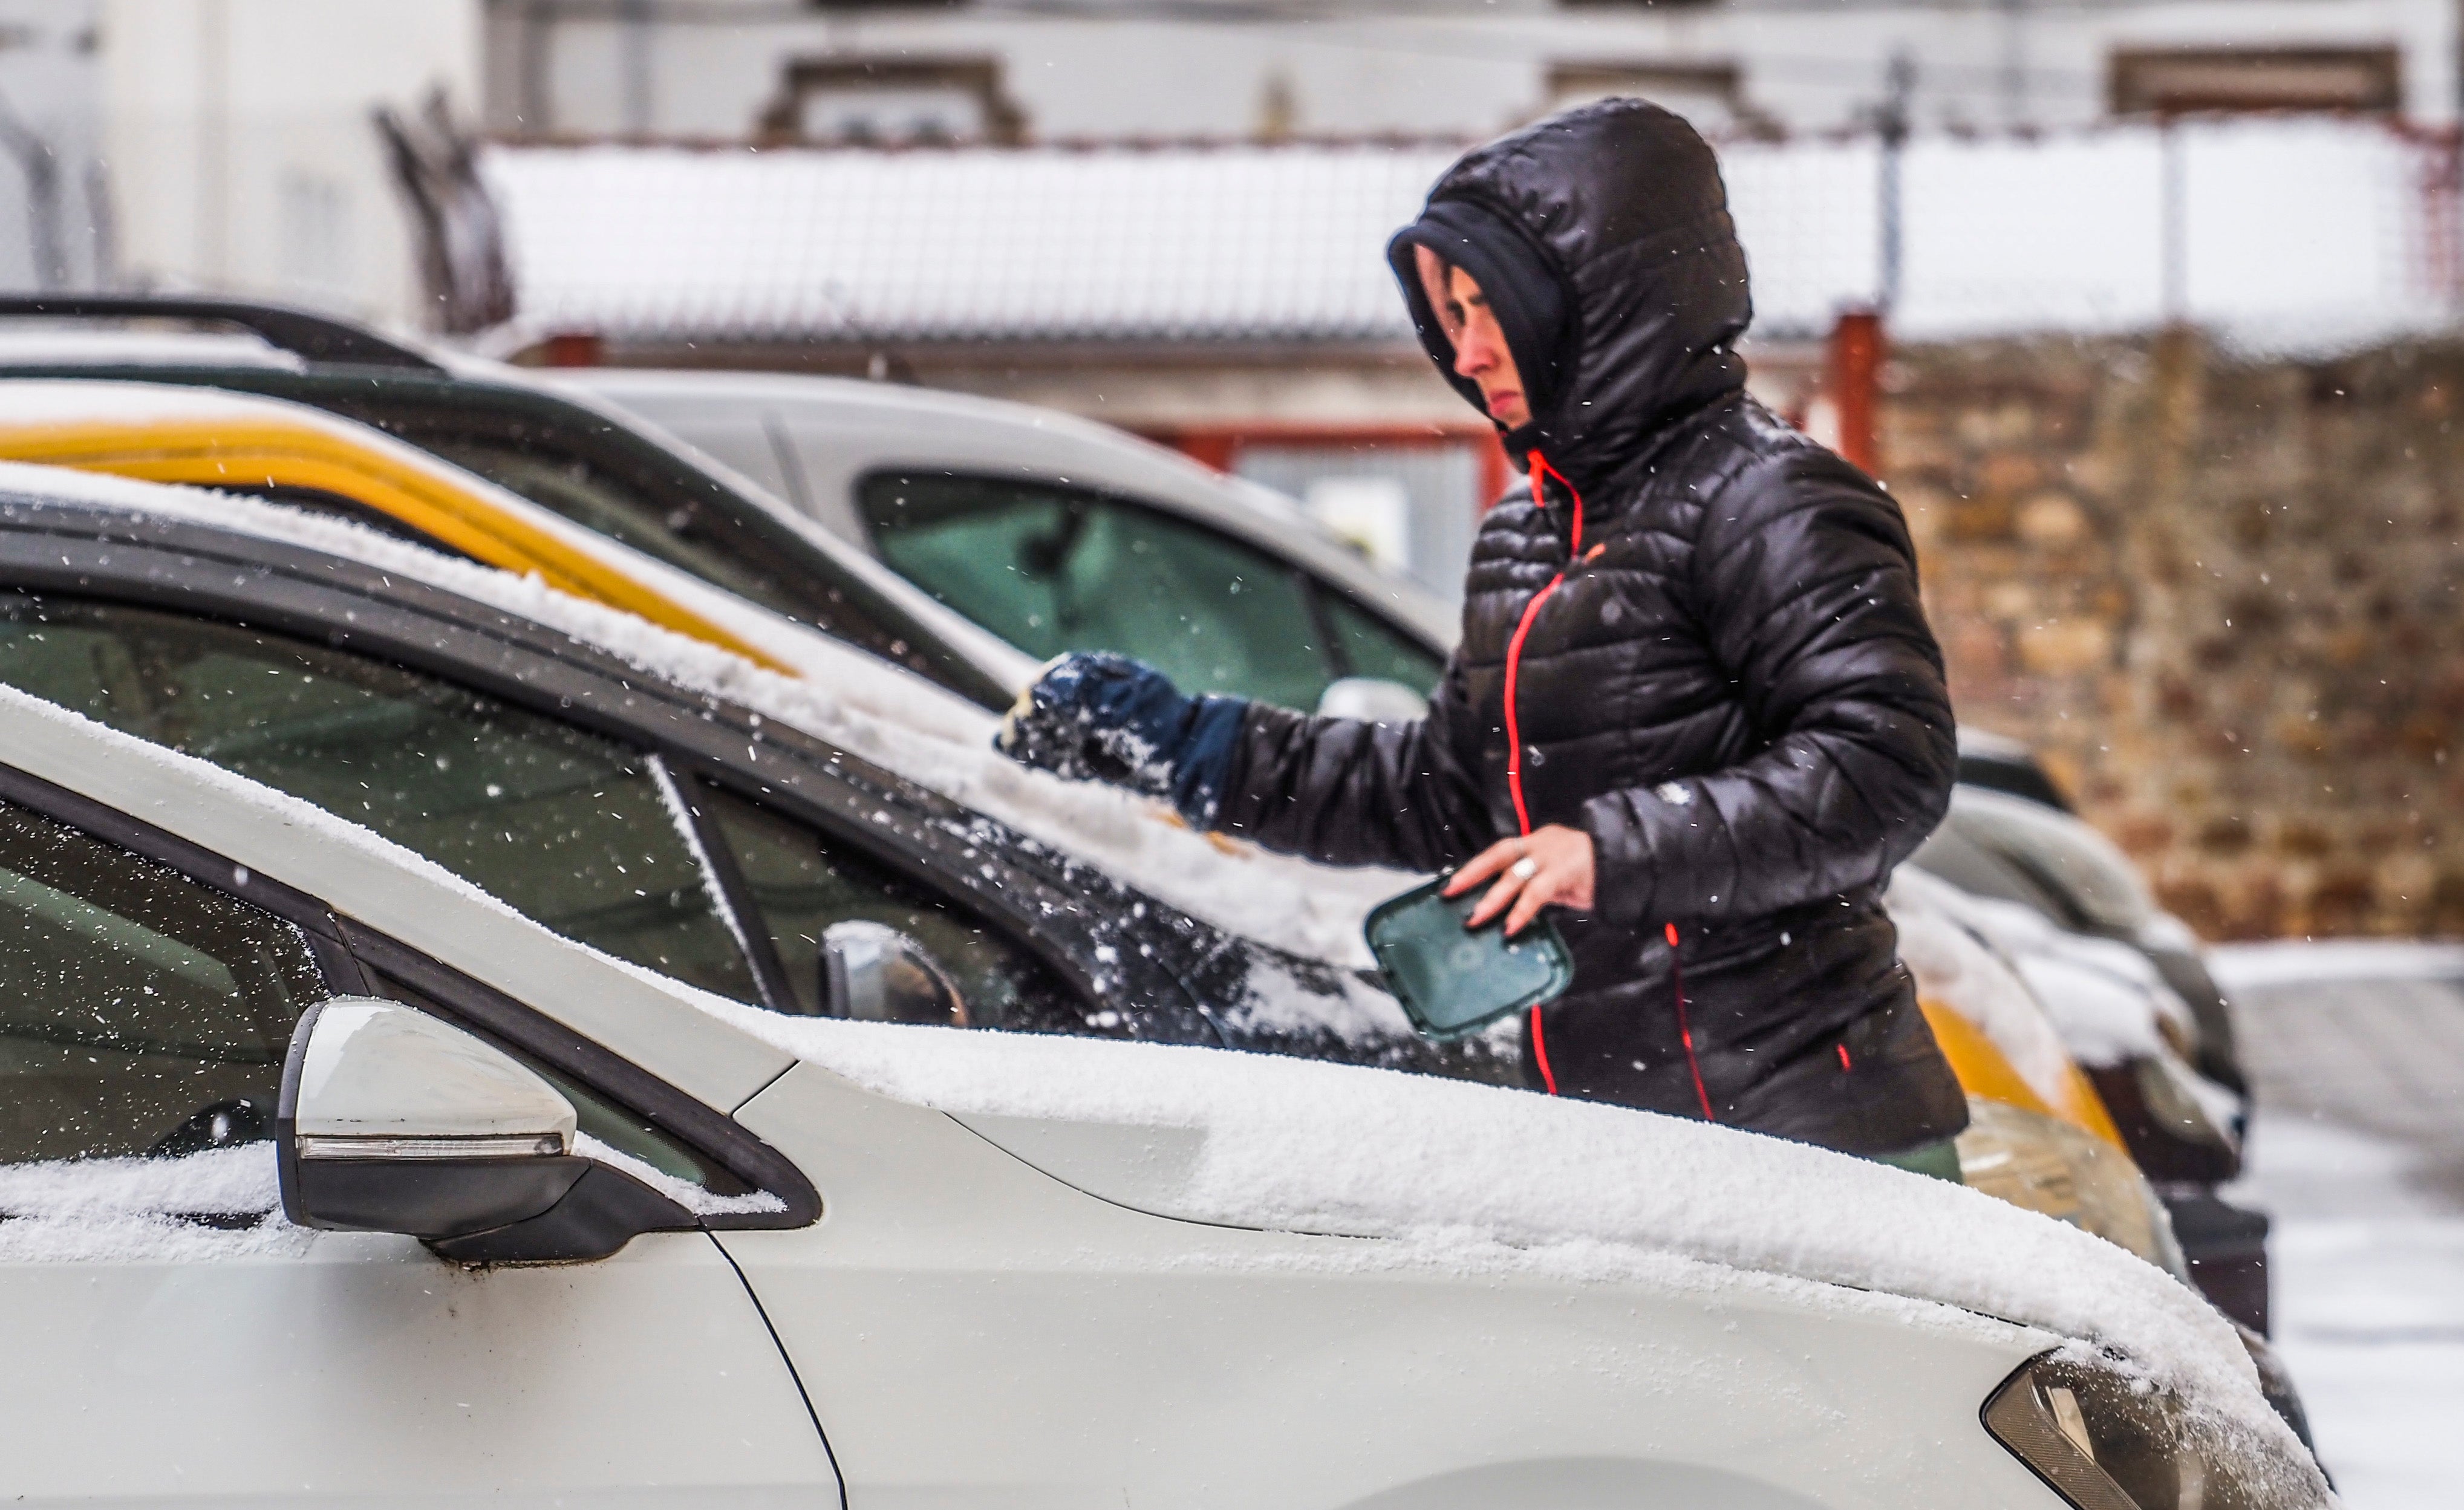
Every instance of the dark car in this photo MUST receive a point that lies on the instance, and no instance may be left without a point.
(665, 828)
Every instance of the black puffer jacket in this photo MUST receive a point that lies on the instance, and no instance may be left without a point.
(1729, 683)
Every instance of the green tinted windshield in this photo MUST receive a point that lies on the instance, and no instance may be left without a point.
(1051, 569)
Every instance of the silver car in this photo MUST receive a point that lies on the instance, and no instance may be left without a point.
(1058, 534)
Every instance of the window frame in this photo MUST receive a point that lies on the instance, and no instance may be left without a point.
(346, 951)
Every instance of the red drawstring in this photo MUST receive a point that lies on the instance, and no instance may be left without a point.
(1540, 1052)
(1684, 1030)
(1514, 724)
(1540, 469)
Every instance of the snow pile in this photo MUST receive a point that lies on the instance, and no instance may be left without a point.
(1955, 967)
(1449, 1168)
(875, 710)
(2105, 1000)
(218, 1204)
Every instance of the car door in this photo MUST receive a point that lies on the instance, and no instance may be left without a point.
(1051, 568)
(169, 1336)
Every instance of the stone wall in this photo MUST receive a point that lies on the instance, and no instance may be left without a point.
(2223, 599)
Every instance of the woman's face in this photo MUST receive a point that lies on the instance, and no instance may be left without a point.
(1480, 354)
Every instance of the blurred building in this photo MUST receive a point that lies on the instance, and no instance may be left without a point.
(1011, 71)
(221, 144)
(1167, 214)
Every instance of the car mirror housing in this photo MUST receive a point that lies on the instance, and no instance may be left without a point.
(1372, 699)
(395, 1121)
(875, 973)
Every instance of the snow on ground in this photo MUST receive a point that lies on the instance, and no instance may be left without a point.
(1451, 1170)
(2356, 1055)
(2284, 962)
(2368, 1284)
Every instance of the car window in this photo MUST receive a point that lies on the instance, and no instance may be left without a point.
(800, 884)
(1052, 569)
(1371, 647)
(140, 1013)
(572, 829)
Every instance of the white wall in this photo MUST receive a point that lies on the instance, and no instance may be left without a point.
(239, 150)
(50, 97)
(1393, 66)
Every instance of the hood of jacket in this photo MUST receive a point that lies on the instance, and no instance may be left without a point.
(1601, 236)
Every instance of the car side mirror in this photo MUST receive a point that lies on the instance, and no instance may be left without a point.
(875, 973)
(395, 1121)
(1372, 699)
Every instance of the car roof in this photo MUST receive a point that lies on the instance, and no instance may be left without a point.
(877, 426)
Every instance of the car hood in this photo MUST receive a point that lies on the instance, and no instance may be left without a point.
(1264, 1142)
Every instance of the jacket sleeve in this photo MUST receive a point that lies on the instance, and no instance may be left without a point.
(1805, 582)
(1348, 792)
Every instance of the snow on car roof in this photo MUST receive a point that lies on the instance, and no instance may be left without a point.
(866, 705)
(1473, 1178)
(38, 345)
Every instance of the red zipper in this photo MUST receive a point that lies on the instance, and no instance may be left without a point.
(1540, 471)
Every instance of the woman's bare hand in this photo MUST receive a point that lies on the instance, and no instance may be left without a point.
(1550, 866)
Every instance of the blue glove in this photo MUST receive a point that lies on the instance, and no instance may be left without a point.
(1104, 717)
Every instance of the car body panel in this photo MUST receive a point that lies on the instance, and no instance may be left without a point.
(152, 1359)
(1390, 1383)
(332, 1367)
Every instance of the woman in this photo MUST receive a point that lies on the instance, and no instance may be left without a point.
(1696, 707)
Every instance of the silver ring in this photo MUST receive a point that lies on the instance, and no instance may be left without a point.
(1525, 868)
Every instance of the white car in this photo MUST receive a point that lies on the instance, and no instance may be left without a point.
(1057, 534)
(537, 1226)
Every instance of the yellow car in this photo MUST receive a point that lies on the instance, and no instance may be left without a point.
(289, 453)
